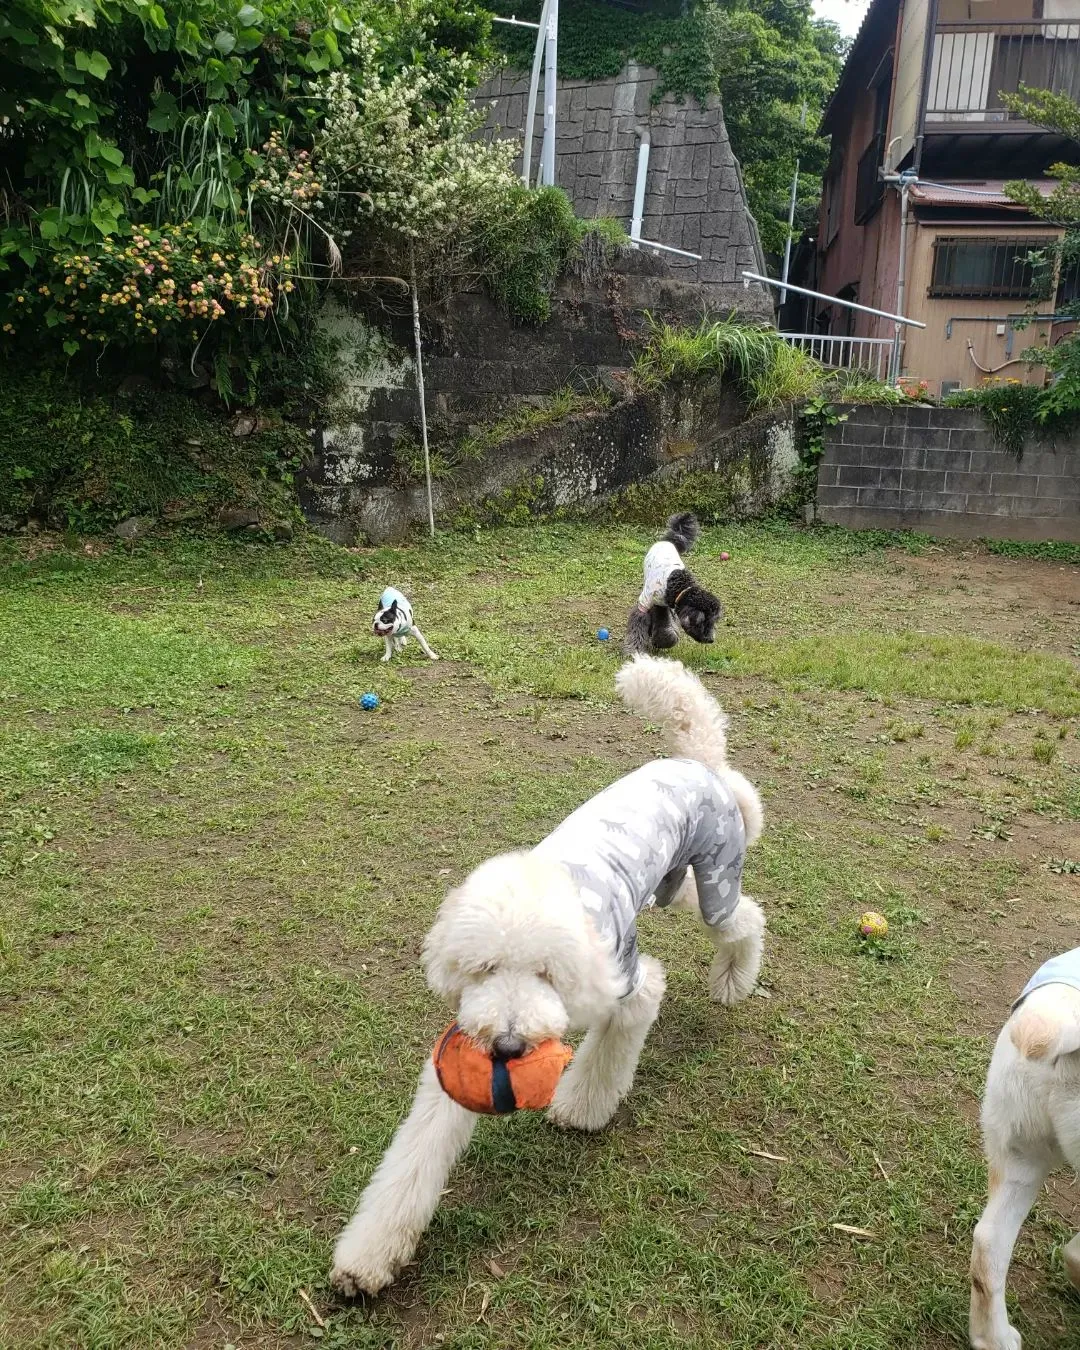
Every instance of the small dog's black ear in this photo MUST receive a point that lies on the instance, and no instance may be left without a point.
(392, 607)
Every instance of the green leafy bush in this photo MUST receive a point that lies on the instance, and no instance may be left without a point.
(78, 459)
(254, 145)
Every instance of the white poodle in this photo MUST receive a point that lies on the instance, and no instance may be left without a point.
(1031, 1124)
(537, 945)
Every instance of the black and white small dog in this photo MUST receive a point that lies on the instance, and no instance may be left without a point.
(393, 622)
(671, 599)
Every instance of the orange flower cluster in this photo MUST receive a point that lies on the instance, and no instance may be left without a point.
(134, 287)
(913, 389)
(288, 177)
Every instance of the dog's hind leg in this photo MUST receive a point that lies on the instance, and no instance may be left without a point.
(423, 644)
(1014, 1184)
(638, 631)
(404, 1191)
(602, 1072)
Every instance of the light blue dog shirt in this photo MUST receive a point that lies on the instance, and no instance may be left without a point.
(404, 609)
(634, 841)
(1063, 969)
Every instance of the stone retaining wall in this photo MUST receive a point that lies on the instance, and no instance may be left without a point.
(694, 196)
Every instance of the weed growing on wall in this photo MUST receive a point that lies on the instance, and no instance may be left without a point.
(530, 245)
(449, 455)
(1010, 409)
(766, 370)
(818, 415)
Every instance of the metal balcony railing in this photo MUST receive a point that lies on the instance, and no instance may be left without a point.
(974, 63)
(871, 355)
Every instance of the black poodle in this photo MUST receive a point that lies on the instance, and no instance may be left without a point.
(671, 599)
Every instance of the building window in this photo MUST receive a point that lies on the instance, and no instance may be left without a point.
(983, 269)
(869, 189)
(1068, 290)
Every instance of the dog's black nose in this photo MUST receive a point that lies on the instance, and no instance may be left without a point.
(509, 1047)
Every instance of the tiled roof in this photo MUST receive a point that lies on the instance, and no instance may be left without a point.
(985, 192)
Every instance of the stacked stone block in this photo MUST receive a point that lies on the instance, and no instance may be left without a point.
(940, 471)
(694, 193)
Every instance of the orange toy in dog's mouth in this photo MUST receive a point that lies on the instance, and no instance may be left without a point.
(494, 1087)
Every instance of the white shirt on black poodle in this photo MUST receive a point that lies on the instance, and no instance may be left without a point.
(660, 561)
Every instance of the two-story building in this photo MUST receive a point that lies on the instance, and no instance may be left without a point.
(921, 92)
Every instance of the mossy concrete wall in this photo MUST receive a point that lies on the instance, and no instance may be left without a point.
(361, 476)
(630, 460)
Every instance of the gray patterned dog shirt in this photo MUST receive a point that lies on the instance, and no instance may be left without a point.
(630, 846)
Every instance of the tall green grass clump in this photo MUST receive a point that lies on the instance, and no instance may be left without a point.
(766, 369)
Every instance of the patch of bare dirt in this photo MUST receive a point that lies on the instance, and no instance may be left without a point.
(1028, 602)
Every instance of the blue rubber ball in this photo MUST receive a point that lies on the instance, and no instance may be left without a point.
(369, 701)
(602, 634)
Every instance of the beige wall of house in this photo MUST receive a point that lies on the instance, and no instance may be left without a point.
(911, 48)
(932, 354)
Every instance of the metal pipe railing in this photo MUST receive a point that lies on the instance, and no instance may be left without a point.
(748, 277)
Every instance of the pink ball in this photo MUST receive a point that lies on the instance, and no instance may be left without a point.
(725, 557)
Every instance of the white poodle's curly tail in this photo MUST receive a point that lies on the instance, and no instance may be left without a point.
(694, 724)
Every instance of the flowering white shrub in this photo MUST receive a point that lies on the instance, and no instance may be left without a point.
(399, 149)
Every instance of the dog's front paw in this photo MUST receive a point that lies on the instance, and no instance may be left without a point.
(385, 658)
(572, 1118)
(577, 1110)
(732, 976)
(1008, 1340)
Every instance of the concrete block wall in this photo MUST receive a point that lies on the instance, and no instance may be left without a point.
(694, 193)
(940, 471)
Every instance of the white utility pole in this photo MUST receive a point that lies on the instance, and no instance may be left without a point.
(791, 217)
(551, 65)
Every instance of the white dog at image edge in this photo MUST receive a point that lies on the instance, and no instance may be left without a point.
(537, 945)
(1031, 1125)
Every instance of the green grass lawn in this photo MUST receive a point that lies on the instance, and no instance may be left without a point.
(216, 872)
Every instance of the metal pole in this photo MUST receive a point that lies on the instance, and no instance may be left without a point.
(748, 277)
(791, 217)
(639, 186)
(790, 227)
(534, 85)
(420, 388)
(906, 180)
(551, 62)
